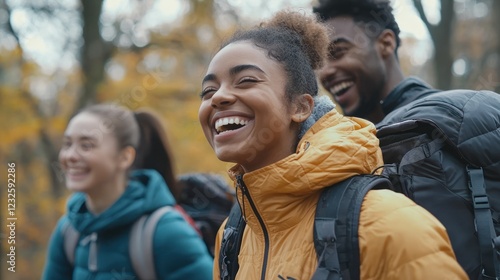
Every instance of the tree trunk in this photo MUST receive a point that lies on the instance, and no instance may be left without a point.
(94, 54)
(495, 11)
(441, 35)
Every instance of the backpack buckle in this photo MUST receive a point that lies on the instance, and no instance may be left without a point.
(487, 276)
(480, 202)
(496, 243)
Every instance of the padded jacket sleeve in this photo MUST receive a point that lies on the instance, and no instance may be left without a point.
(57, 266)
(179, 251)
(401, 240)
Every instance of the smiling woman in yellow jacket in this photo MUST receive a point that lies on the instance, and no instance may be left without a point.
(260, 110)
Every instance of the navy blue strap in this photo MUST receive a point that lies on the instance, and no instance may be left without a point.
(484, 223)
(230, 244)
(421, 152)
(328, 261)
(336, 226)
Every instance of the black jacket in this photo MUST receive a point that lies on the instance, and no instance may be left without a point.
(409, 90)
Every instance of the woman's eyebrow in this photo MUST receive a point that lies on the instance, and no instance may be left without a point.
(209, 77)
(80, 137)
(239, 68)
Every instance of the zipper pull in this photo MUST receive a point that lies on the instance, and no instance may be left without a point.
(240, 184)
(92, 239)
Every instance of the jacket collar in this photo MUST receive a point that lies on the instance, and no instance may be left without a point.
(332, 150)
(405, 92)
(146, 191)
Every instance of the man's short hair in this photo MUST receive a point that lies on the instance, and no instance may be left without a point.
(376, 15)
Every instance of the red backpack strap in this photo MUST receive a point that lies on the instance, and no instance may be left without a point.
(187, 218)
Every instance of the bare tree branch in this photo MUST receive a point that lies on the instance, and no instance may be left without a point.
(420, 9)
(9, 25)
(48, 148)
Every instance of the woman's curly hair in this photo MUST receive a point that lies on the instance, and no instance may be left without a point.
(296, 40)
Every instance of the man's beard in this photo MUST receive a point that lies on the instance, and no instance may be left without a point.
(365, 108)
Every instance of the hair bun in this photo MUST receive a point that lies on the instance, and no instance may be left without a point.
(313, 34)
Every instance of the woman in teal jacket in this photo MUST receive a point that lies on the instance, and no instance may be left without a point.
(97, 155)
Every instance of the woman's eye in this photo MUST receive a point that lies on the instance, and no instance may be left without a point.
(66, 144)
(248, 79)
(206, 92)
(87, 146)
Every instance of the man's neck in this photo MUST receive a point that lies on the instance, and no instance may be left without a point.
(376, 116)
(394, 77)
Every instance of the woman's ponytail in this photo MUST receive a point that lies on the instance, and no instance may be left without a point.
(153, 151)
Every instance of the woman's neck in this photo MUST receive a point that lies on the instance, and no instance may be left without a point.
(102, 198)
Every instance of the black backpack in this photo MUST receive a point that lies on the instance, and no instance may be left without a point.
(442, 152)
(335, 230)
(207, 199)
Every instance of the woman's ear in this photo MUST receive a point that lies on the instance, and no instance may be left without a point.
(127, 157)
(303, 107)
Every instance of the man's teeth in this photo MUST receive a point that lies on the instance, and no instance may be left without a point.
(226, 121)
(337, 88)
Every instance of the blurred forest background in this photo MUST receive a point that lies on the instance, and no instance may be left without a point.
(59, 56)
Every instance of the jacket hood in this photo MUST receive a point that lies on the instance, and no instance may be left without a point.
(333, 149)
(145, 192)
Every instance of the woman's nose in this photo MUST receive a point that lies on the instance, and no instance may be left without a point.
(71, 153)
(223, 97)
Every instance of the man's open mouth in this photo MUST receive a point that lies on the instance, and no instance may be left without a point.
(341, 88)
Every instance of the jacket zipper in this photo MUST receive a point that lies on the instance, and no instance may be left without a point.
(241, 184)
(92, 261)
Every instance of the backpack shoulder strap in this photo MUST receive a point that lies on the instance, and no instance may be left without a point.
(70, 239)
(336, 226)
(141, 243)
(230, 244)
(484, 223)
(188, 218)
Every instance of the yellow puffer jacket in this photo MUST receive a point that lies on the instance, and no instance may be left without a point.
(397, 239)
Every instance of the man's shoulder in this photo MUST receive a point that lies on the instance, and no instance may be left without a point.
(459, 103)
(407, 91)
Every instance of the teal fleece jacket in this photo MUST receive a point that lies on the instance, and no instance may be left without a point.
(179, 252)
